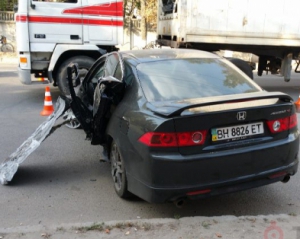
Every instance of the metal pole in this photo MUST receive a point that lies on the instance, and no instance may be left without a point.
(131, 34)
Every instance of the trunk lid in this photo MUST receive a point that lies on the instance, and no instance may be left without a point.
(230, 121)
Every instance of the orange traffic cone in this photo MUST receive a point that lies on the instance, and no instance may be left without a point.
(48, 106)
(41, 79)
(297, 104)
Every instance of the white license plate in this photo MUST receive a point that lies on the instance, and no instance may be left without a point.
(237, 132)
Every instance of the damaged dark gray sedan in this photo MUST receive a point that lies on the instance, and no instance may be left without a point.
(185, 124)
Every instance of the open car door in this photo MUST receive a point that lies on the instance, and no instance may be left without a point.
(101, 89)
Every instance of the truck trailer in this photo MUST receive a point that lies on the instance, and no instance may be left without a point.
(265, 29)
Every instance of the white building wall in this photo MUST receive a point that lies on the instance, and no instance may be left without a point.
(8, 29)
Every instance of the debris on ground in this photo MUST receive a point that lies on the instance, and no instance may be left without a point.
(10, 165)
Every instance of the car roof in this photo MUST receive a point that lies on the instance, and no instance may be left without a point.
(148, 55)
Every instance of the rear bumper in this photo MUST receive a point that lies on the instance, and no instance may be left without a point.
(160, 195)
(25, 76)
(175, 177)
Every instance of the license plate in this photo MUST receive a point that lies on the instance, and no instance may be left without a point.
(237, 132)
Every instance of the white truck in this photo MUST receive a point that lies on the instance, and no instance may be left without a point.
(53, 33)
(267, 29)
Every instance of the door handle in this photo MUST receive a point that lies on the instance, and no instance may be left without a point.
(74, 37)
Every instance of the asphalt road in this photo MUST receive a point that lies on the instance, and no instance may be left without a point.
(64, 182)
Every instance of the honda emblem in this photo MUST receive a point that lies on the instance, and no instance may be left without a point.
(241, 115)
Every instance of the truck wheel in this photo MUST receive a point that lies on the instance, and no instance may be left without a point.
(84, 64)
(242, 65)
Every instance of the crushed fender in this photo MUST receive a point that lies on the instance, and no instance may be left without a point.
(10, 165)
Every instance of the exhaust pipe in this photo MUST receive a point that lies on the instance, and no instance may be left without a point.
(286, 179)
(179, 203)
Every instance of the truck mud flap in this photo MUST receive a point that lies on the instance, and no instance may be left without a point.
(10, 165)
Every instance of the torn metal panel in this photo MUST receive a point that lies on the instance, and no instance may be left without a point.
(10, 165)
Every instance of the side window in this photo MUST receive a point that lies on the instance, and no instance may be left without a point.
(57, 1)
(118, 72)
(92, 80)
(128, 74)
(99, 73)
(169, 6)
(112, 63)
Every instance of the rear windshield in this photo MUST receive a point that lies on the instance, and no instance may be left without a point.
(191, 78)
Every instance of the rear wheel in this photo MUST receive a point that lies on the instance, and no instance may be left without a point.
(118, 172)
(84, 64)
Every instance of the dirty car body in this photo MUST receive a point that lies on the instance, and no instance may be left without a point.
(180, 124)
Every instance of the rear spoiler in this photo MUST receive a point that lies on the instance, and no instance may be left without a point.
(175, 108)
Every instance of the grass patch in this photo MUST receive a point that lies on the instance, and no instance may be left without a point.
(120, 225)
(60, 229)
(101, 227)
(95, 227)
(206, 224)
(146, 226)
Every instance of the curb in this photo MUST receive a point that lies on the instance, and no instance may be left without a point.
(246, 227)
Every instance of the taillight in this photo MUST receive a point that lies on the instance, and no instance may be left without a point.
(279, 125)
(191, 138)
(159, 139)
(293, 121)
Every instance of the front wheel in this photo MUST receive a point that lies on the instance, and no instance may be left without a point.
(118, 172)
(84, 64)
(73, 122)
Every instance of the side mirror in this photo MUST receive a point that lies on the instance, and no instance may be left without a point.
(32, 5)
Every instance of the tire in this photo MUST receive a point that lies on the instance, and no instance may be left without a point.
(84, 64)
(118, 172)
(242, 65)
(7, 47)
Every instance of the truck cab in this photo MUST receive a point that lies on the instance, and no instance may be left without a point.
(53, 33)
